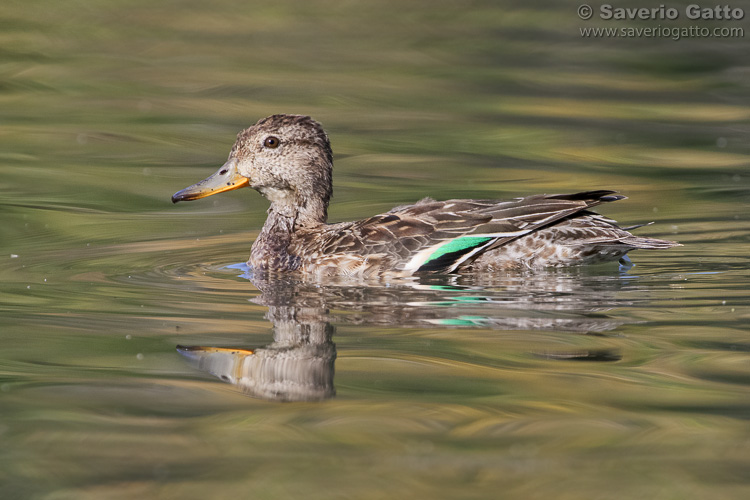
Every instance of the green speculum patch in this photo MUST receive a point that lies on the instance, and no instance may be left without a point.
(458, 245)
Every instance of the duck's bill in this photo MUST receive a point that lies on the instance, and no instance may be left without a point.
(226, 178)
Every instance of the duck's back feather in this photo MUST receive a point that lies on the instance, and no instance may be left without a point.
(444, 236)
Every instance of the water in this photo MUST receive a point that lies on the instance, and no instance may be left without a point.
(579, 383)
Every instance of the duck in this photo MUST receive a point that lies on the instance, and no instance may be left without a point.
(288, 159)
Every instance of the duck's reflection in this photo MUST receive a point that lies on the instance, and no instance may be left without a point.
(299, 364)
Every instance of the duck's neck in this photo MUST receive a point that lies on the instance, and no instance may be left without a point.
(304, 210)
(274, 247)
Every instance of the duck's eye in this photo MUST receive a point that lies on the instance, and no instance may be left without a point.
(272, 142)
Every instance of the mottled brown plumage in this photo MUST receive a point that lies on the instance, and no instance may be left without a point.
(288, 159)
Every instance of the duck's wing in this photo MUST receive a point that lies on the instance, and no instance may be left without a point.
(439, 236)
(509, 220)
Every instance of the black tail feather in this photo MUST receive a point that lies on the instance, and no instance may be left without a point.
(601, 195)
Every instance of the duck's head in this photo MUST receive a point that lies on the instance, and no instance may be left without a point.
(286, 158)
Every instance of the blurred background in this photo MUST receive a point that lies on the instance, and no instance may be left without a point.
(109, 107)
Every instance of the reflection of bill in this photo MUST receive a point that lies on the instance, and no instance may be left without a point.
(301, 372)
